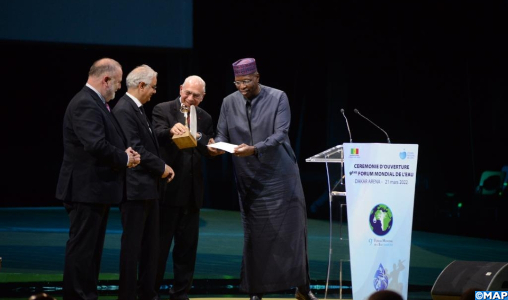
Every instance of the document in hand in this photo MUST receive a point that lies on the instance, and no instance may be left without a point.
(224, 146)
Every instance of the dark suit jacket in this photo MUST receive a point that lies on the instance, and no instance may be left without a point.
(187, 163)
(94, 162)
(142, 180)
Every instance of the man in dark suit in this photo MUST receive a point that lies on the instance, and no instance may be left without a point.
(92, 176)
(140, 211)
(183, 197)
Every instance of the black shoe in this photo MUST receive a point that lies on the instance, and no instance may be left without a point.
(256, 297)
(305, 296)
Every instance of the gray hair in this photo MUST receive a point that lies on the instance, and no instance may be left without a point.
(195, 79)
(141, 73)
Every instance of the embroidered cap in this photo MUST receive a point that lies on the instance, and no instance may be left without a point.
(244, 66)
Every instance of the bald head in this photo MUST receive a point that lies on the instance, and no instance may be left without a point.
(195, 80)
(104, 66)
(105, 76)
(192, 91)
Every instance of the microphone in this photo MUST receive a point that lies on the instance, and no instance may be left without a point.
(347, 124)
(388, 138)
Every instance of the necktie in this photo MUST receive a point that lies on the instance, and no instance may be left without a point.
(107, 106)
(142, 111)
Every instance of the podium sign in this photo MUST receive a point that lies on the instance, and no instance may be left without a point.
(380, 185)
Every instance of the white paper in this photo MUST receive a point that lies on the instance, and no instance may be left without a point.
(224, 146)
(193, 121)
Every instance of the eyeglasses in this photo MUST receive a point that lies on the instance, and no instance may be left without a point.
(194, 95)
(152, 86)
(244, 82)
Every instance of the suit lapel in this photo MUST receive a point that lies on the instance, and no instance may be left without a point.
(105, 111)
(143, 119)
(135, 110)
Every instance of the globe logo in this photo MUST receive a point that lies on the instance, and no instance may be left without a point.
(381, 219)
(403, 155)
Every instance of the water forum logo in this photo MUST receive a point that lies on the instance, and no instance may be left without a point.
(381, 219)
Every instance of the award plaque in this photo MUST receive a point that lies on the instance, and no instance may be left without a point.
(187, 139)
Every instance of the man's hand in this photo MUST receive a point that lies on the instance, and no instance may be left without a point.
(178, 129)
(244, 150)
(214, 151)
(169, 174)
(134, 157)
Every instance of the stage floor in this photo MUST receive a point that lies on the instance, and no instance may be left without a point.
(32, 247)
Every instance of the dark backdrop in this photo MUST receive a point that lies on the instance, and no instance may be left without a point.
(431, 73)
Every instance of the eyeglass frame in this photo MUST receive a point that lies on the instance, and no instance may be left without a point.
(152, 86)
(244, 82)
(194, 95)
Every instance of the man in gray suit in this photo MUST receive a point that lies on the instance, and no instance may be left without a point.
(92, 176)
(256, 118)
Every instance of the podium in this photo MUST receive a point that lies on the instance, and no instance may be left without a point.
(380, 180)
(334, 155)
